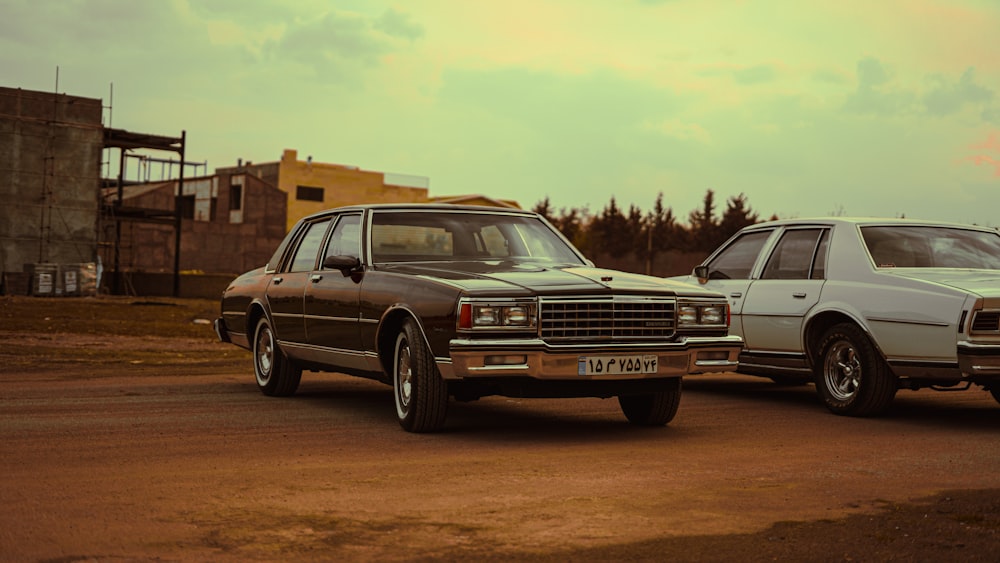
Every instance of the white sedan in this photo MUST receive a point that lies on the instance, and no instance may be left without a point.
(863, 307)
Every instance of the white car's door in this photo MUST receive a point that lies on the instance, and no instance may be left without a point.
(776, 303)
(730, 271)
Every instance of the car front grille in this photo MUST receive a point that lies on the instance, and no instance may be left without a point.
(986, 321)
(608, 319)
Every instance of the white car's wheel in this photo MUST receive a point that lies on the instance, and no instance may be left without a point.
(276, 375)
(421, 395)
(852, 378)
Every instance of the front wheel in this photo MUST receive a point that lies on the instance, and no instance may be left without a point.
(277, 376)
(420, 392)
(652, 409)
(851, 376)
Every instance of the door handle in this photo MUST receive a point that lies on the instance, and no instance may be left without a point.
(278, 280)
(799, 295)
(736, 294)
(315, 278)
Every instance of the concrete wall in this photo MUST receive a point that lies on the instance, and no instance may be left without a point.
(50, 150)
(224, 236)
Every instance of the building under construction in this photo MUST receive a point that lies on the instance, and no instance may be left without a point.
(50, 162)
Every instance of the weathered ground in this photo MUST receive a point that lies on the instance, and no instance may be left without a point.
(128, 433)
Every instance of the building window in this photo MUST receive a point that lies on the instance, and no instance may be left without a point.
(187, 206)
(235, 198)
(308, 193)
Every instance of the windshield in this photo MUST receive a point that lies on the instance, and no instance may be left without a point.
(447, 236)
(932, 247)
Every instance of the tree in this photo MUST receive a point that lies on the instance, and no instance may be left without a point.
(703, 230)
(737, 215)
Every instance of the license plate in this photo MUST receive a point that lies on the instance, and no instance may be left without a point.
(616, 365)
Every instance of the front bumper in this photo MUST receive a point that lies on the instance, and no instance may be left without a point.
(221, 331)
(535, 359)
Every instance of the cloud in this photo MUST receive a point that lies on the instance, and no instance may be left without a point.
(990, 145)
(399, 24)
(873, 94)
(946, 98)
(755, 74)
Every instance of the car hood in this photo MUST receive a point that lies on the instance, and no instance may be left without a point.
(543, 278)
(985, 283)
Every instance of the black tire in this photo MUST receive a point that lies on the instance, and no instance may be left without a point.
(652, 409)
(420, 393)
(852, 378)
(276, 375)
(996, 394)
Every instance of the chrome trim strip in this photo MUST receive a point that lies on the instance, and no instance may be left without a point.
(352, 359)
(906, 321)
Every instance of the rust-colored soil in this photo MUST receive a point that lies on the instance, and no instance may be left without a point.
(127, 433)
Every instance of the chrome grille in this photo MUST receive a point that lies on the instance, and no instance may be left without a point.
(608, 319)
(986, 321)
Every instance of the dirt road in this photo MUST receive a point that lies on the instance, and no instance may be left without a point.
(169, 452)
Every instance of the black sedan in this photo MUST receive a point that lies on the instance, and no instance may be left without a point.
(447, 301)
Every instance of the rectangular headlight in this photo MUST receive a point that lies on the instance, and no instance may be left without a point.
(693, 315)
(496, 315)
(713, 315)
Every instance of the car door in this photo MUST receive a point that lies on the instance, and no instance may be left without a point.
(776, 303)
(731, 268)
(332, 298)
(286, 291)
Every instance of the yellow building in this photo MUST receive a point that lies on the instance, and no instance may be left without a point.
(315, 186)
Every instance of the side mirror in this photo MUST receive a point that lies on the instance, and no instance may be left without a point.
(346, 264)
(701, 272)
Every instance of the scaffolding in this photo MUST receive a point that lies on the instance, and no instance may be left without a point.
(126, 141)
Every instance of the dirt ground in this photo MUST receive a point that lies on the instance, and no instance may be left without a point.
(127, 433)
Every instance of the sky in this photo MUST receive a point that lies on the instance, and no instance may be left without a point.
(887, 108)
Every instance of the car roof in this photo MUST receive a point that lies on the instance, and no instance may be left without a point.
(865, 221)
(424, 207)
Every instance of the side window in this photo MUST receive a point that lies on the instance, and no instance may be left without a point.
(792, 258)
(819, 263)
(736, 260)
(304, 259)
(346, 238)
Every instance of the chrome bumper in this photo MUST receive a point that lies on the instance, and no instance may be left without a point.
(979, 359)
(535, 359)
(221, 331)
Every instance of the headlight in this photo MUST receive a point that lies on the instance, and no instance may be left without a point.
(496, 315)
(691, 315)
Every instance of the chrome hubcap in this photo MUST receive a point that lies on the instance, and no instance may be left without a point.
(265, 355)
(404, 377)
(842, 371)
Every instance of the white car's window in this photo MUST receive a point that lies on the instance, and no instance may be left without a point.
(932, 247)
(794, 255)
(736, 261)
(443, 236)
(304, 259)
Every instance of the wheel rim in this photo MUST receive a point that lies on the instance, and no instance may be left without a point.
(264, 355)
(842, 371)
(404, 378)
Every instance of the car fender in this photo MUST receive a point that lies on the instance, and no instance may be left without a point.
(827, 314)
(388, 327)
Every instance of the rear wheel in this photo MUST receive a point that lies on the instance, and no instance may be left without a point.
(421, 394)
(852, 378)
(277, 376)
(652, 409)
